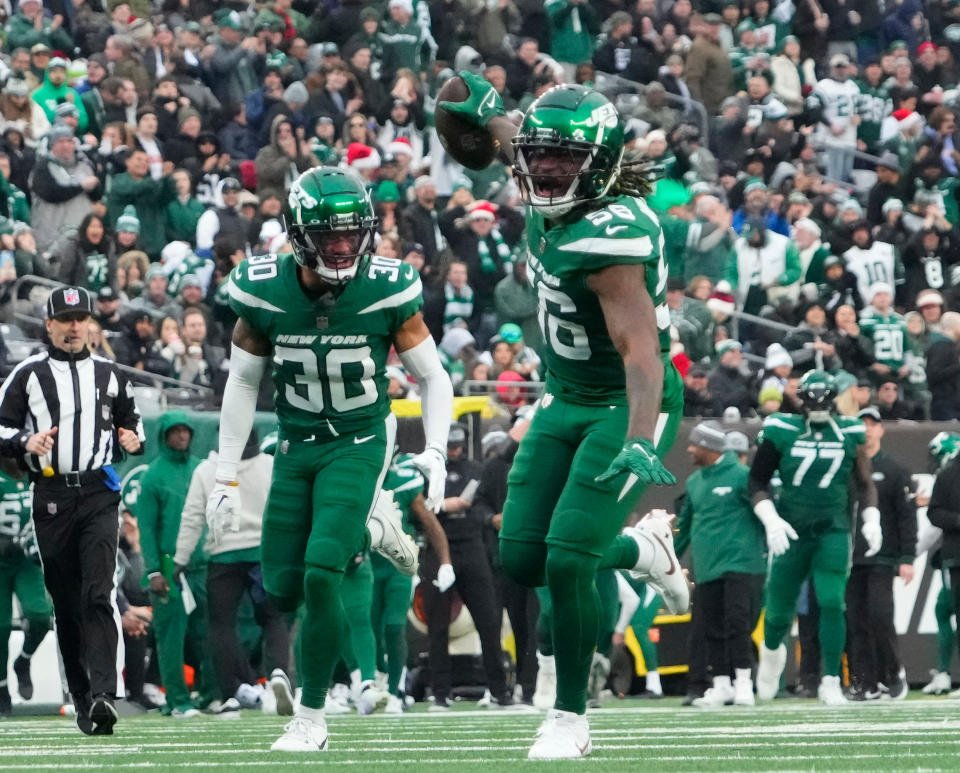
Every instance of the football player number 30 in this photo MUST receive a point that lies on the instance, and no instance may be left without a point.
(341, 368)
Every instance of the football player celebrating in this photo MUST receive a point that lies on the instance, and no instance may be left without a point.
(612, 400)
(327, 316)
(808, 530)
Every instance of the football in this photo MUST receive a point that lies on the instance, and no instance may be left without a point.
(471, 146)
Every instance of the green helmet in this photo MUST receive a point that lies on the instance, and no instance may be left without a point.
(817, 390)
(568, 149)
(944, 446)
(331, 222)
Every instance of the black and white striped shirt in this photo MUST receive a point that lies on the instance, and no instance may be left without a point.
(84, 396)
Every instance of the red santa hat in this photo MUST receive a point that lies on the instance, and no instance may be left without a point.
(360, 156)
(400, 145)
(482, 210)
(907, 119)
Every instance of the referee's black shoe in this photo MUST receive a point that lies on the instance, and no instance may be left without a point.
(81, 704)
(103, 714)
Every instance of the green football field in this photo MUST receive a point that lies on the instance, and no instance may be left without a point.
(628, 736)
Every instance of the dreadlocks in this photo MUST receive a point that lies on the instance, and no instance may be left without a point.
(632, 179)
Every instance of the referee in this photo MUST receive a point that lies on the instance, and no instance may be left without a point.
(66, 414)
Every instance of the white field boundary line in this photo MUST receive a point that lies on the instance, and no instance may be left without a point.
(327, 761)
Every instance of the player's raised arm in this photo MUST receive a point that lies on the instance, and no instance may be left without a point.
(482, 108)
(418, 353)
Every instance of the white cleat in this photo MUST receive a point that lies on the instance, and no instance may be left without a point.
(664, 574)
(743, 692)
(939, 683)
(545, 693)
(302, 735)
(716, 697)
(769, 671)
(394, 705)
(830, 692)
(367, 699)
(389, 539)
(249, 696)
(337, 700)
(562, 736)
(283, 695)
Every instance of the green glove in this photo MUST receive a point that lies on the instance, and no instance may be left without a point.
(639, 457)
(481, 106)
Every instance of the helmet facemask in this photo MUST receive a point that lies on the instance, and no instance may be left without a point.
(817, 402)
(555, 174)
(334, 250)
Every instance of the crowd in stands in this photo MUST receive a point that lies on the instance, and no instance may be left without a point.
(804, 160)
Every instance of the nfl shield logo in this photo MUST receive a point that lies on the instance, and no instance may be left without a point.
(52, 508)
(284, 446)
(542, 245)
(71, 296)
(322, 323)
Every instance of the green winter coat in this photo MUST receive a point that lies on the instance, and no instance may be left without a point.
(49, 96)
(573, 29)
(22, 34)
(163, 491)
(718, 523)
(150, 198)
(182, 218)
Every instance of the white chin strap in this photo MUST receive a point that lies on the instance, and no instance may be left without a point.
(819, 417)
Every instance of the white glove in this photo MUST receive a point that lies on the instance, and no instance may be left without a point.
(871, 531)
(445, 578)
(223, 510)
(433, 465)
(779, 532)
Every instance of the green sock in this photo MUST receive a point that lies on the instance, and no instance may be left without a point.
(609, 605)
(4, 647)
(545, 622)
(622, 554)
(363, 643)
(946, 637)
(321, 633)
(571, 577)
(395, 642)
(833, 637)
(774, 633)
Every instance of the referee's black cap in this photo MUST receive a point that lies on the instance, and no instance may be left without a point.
(68, 300)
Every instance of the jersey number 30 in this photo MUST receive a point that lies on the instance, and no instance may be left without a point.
(341, 368)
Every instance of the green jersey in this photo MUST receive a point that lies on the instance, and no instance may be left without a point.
(16, 506)
(329, 352)
(583, 366)
(888, 332)
(873, 105)
(406, 484)
(816, 462)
